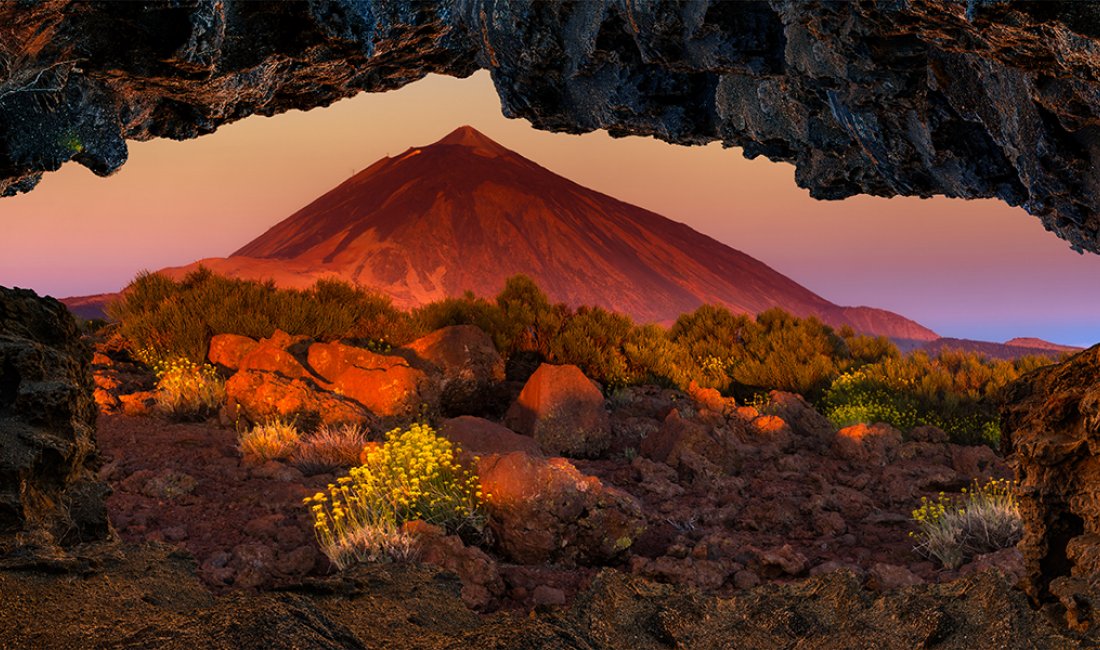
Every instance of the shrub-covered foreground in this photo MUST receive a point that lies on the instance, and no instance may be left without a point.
(850, 377)
(414, 475)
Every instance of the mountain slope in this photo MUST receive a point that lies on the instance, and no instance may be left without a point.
(466, 213)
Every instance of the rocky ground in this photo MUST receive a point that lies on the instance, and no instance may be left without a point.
(147, 596)
(685, 489)
(677, 519)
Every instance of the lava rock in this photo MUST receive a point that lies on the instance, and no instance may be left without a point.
(49, 490)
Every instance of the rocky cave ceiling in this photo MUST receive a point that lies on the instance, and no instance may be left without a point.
(895, 97)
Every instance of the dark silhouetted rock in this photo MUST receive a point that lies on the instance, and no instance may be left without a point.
(971, 100)
(49, 493)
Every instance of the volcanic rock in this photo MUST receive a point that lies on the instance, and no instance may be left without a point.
(49, 492)
(259, 397)
(479, 436)
(229, 350)
(472, 369)
(562, 410)
(1051, 429)
(387, 385)
(544, 510)
(864, 444)
(970, 100)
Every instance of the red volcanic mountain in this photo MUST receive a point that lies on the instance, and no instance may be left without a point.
(466, 213)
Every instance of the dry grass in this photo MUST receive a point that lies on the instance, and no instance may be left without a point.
(955, 530)
(188, 391)
(275, 440)
(330, 448)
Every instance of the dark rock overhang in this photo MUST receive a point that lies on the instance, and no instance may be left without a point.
(895, 97)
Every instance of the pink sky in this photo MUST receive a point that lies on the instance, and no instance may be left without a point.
(975, 269)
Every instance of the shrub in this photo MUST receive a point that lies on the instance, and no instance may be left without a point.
(982, 520)
(330, 448)
(956, 391)
(179, 318)
(415, 474)
(273, 440)
(187, 390)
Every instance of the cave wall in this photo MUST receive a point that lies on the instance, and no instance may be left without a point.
(1051, 428)
(50, 497)
(890, 97)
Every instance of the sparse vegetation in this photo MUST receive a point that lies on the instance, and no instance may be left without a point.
(274, 440)
(329, 448)
(852, 378)
(954, 530)
(955, 391)
(178, 318)
(414, 475)
(187, 390)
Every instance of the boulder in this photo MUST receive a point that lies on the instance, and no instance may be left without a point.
(263, 396)
(480, 436)
(229, 350)
(277, 354)
(810, 428)
(49, 492)
(387, 385)
(471, 370)
(482, 585)
(782, 561)
(545, 510)
(693, 449)
(867, 444)
(562, 410)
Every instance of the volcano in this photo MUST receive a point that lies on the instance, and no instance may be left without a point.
(466, 213)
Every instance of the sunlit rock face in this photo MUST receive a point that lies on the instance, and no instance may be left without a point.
(898, 97)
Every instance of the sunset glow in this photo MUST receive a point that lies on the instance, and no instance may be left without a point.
(175, 202)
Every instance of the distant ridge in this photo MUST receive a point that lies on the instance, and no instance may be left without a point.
(465, 213)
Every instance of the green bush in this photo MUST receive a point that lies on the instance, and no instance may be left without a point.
(852, 378)
(956, 391)
(177, 319)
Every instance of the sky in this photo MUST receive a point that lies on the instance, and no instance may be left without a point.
(968, 269)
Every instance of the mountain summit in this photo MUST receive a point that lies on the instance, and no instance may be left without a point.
(466, 213)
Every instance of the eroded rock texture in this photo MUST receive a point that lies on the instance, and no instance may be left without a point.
(909, 97)
(48, 491)
(1052, 427)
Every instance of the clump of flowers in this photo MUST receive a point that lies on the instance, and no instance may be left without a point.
(414, 474)
(273, 440)
(981, 520)
(329, 448)
(187, 390)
